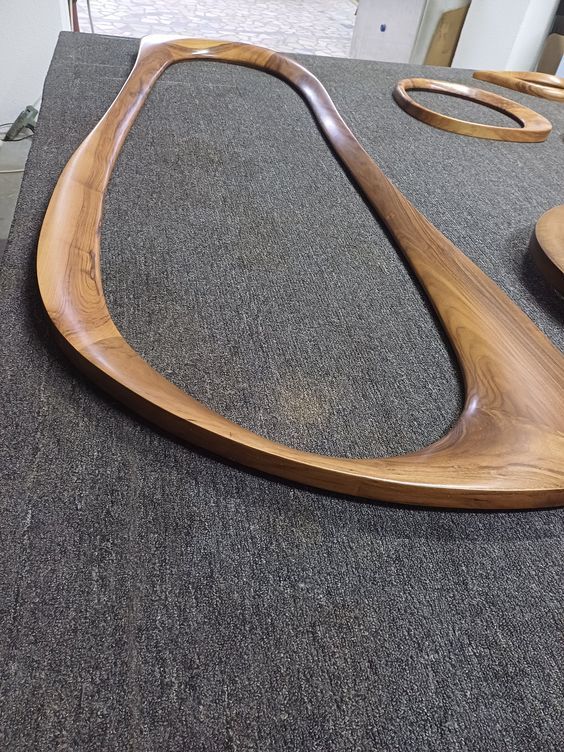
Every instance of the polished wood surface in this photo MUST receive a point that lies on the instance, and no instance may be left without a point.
(445, 39)
(534, 127)
(506, 450)
(542, 85)
(547, 246)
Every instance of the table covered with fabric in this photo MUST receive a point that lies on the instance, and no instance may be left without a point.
(155, 597)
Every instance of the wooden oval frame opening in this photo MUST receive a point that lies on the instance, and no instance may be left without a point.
(506, 451)
(533, 127)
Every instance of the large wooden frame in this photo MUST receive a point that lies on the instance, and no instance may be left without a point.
(533, 127)
(506, 450)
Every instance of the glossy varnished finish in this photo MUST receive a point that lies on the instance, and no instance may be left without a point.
(534, 127)
(543, 85)
(507, 448)
(547, 246)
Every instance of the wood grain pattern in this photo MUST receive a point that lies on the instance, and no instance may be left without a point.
(507, 448)
(534, 127)
(445, 39)
(547, 246)
(542, 85)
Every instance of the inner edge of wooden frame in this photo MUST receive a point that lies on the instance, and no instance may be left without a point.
(470, 94)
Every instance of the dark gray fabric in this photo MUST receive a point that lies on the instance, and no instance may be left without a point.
(156, 598)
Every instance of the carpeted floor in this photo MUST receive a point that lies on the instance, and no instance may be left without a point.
(156, 598)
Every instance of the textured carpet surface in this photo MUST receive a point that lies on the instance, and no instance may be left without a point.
(156, 598)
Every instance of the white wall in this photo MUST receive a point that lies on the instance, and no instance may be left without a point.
(385, 30)
(504, 34)
(28, 33)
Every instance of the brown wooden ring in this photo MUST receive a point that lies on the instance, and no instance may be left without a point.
(547, 246)
(534, 127)
(542, 85)
(505, 451)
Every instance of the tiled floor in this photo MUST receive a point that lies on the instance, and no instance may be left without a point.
(321, 27)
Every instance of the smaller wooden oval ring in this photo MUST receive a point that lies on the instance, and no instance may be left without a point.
(534, 127)
(542, 85)
(547, 246)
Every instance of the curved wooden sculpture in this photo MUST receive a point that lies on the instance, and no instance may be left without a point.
(507, 448)
(542, 85)
(547, 246)
(534, 127)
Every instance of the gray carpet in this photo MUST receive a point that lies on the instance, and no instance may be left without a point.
(157, 598)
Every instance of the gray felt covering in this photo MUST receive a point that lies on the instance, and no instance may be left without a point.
(156, 598)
